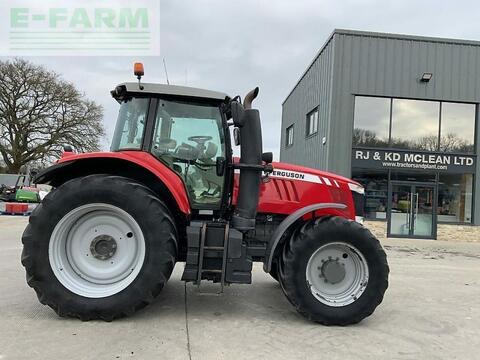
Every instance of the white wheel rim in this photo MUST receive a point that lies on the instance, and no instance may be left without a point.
(337, 274)
(96, 250)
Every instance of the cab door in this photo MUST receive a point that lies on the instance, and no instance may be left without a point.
(189, 138)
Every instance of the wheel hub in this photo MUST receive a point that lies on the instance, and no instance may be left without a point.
(103, 247)
(333, 271)
(337, 274)
(96, 250)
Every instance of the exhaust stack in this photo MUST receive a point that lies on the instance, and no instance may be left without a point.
(248, 121)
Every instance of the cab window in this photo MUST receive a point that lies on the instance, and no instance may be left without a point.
(189, 139)
(130, 124)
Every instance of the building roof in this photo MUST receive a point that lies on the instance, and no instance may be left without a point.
(176, 90)
(385, 36)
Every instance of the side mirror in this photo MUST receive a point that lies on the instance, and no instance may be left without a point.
(236, 136)
(237, 113)
(220, 166)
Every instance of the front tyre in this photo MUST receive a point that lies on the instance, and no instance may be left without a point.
(99, 247)
(334, 271)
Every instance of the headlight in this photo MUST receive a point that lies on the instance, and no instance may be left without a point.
(359, 219)
(356, 188)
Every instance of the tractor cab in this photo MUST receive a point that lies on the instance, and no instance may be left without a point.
(184, 129)
(187, 130)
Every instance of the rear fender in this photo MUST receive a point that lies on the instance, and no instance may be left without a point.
(287, 223)
(141, 167)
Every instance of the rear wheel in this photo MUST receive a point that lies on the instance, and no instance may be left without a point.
(334, 271)
(99, 247)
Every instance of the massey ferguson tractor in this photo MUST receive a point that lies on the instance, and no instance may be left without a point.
(104, 242)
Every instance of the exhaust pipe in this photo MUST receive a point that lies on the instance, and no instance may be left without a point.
(248, 120)
(247, 102)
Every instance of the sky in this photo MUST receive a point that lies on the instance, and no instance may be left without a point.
(233, 46)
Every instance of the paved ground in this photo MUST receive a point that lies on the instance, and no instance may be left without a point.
(431, 310)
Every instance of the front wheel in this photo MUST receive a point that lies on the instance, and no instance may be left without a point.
(334, 271)
(99, 247)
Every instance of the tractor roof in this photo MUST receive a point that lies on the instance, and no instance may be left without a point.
(162, 89)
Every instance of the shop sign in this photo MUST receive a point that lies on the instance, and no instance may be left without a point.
(408, 160)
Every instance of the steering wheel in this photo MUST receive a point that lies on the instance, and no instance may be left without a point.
(200, 139)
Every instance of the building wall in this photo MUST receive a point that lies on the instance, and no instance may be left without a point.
(389, 65)
(314, 90)
(365, 63)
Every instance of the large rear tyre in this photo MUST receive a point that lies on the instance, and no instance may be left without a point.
(99, 247)
(334, 271)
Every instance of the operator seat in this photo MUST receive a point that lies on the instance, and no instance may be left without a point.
(163, 149)
(209, 153)
(210, 180)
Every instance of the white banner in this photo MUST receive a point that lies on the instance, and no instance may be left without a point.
(80, 27)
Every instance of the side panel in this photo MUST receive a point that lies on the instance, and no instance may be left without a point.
(169, 178)
(290, 188)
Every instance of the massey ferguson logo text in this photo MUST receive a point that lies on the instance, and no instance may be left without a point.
(288, 174)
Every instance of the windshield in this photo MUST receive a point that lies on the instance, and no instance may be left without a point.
(188, 137)
(130, 124)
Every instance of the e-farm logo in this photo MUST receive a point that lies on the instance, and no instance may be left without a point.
(89, 27)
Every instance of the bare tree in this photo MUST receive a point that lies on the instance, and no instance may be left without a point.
(453, 143)
(362, 137)
(39, 113)
(428, 143)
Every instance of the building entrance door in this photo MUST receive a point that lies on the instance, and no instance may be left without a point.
(412, 210)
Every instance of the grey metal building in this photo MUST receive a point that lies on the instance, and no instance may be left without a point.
(399, 114)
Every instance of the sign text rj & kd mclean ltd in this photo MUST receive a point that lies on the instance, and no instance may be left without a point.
(404, 159)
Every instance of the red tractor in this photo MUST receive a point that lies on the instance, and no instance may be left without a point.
(104, 242)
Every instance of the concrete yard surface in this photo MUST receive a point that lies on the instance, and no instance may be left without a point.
(431, 311)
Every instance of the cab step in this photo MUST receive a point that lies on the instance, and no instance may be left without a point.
(217, 253)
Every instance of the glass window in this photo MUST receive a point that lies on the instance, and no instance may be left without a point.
(130, 124)
(413, 176)
(372, 121)
(457, 127)
(189, 138)
(312, 122)
(415, 124)
(376, 191)
(289, 136)
(455, 198)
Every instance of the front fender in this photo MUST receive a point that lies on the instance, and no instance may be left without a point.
(289, 221)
